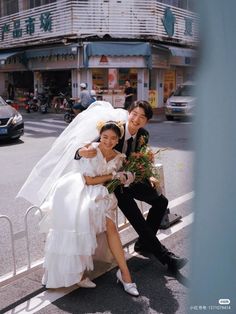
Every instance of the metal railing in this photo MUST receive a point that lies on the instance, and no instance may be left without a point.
(121, 222)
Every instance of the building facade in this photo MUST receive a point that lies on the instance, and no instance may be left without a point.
(59, 44)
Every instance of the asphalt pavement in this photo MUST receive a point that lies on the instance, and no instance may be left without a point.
(160, 291)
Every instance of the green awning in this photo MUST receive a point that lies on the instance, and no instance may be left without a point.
(117, 49)
(181, 52)
(52, 51)
(5, 55)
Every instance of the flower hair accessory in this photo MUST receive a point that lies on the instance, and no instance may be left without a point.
(119, 124)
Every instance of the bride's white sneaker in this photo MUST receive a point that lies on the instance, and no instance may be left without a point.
(86, 283)
(130, 288)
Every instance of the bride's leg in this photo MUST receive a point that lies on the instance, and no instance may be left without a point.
(116, 248)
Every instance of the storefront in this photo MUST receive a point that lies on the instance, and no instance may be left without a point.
(107, 65)
(153, 70)
(109, 84)
(182, 63)
(39, 70)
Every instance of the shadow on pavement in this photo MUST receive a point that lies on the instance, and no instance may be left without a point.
(109, 297)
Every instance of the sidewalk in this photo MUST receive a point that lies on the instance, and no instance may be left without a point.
(160, 292)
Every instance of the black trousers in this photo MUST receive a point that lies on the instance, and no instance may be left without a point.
(146, 228)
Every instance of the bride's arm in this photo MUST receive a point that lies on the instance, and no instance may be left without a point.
(98, 179)
(120, 175)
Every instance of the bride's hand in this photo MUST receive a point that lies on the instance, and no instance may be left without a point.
(120, 175)
(87, 152)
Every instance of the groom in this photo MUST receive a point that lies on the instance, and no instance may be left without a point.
(140, 112)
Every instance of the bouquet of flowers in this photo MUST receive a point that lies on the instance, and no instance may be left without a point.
(141, 164)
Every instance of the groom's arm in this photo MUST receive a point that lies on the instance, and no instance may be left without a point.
(87, 152)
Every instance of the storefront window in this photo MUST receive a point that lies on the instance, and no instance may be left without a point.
(131, 75)
(110, 84)
(100, 79)
(23, 83)
(169, 83)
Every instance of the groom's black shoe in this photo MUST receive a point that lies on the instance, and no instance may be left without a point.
(174, 262)
(140, 248)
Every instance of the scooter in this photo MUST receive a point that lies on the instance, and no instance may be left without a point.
(31, 103)
(44, 105)
(69, 114)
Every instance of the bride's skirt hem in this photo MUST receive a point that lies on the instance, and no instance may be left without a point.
(55, 282)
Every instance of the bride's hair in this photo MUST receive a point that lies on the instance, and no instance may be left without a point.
(117, 127)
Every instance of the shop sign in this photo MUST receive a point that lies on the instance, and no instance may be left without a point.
(118, 101)
(159, 61)
(188, 26)
(169, 21)
(152, 98)
(169, 82)
(104, 59)
(118, 62)
(18, 27)
(112, 78)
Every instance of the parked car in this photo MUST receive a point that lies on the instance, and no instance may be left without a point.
(11, 122)
(182, 102)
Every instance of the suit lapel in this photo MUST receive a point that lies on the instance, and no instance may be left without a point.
(120, 144)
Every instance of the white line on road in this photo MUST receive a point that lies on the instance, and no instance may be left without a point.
(187, 220)
(182, 199)
(60, 125)
(47, 297)
(38, 130)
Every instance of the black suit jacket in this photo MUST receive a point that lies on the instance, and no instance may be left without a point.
(137, 145)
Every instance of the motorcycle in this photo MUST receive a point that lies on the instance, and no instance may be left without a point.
(31, 104)
(44, 103)
(69, 114)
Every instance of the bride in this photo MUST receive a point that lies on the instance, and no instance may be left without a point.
(77, 205)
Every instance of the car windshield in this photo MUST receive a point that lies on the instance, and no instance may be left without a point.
(2, 102)
(184, 90)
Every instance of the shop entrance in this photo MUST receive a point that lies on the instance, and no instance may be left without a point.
(169, 83)
(110, 84)
(56, 82)
(22, 84)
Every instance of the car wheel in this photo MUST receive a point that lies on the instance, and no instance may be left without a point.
(169, 118)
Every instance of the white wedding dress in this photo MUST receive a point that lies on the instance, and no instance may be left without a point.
(75, 214)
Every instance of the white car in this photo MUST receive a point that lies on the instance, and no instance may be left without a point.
(181, 104)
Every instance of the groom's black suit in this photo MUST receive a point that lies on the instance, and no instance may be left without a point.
(143, 191)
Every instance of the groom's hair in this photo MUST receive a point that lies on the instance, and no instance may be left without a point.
(142, 104)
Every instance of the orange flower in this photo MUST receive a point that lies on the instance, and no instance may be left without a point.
(141, 163)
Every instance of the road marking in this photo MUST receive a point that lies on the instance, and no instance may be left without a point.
(47, 297)
(182, 199)
(32, 127)
(184, 222)
(177, 122)
(56, 125)
(38, 130)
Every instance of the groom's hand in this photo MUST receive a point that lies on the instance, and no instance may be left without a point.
(87, 152)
